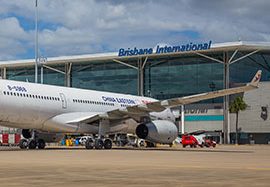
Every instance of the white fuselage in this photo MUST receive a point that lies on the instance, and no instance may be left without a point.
(28, 106)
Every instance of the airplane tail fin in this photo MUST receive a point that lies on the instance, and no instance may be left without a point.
(256, 79)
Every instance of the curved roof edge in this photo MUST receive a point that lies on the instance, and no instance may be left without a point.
(215, 47)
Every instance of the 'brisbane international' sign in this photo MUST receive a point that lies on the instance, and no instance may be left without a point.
(165, 49)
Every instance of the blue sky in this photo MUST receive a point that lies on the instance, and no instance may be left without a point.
(88, 26)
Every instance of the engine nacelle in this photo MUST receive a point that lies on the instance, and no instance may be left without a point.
(158, 131)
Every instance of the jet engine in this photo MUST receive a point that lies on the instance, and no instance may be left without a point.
(158, 131)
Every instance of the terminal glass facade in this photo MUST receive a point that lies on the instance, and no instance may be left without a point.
(177, 77)
(244, 70)
(27, 74)
(105, 76)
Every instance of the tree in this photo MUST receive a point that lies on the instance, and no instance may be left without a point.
(236, 106)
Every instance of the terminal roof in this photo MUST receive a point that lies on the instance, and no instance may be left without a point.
(102, 57)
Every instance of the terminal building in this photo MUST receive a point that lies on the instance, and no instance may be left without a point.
(171, 74)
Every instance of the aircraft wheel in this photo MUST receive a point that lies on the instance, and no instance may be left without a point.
(107, 144)
(23, 144)
(150, 144)
(41, 144)
(32, 144)
(89, 144)
(99, 144)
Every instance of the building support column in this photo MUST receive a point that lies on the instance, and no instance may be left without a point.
(41, 74)
(42, 61)
(3, 73)
(226, 122)
(140, 78)
(141, 65)
(68, 67)
(182, 119)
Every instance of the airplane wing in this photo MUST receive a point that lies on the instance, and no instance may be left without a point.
(158, 106)
(138, 111)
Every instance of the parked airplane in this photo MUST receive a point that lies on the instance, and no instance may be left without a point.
(46, 112)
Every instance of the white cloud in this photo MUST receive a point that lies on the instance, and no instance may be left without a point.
(13, 39)
(11, 28)
(89, 26)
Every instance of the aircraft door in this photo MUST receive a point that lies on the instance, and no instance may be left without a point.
(63, 100)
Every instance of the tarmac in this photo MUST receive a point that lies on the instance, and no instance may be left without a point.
(225, 165)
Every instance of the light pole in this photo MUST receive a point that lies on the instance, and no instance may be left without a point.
(36, 44)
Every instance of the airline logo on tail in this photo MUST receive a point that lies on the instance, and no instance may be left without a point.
(258, 77)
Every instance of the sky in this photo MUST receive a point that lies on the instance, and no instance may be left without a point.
(75, 27)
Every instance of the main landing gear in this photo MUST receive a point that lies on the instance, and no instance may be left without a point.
(30, 141)
(98, 143)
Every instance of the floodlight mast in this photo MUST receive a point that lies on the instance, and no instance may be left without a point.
(36, 43)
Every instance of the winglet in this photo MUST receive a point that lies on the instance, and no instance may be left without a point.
(256, 79)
